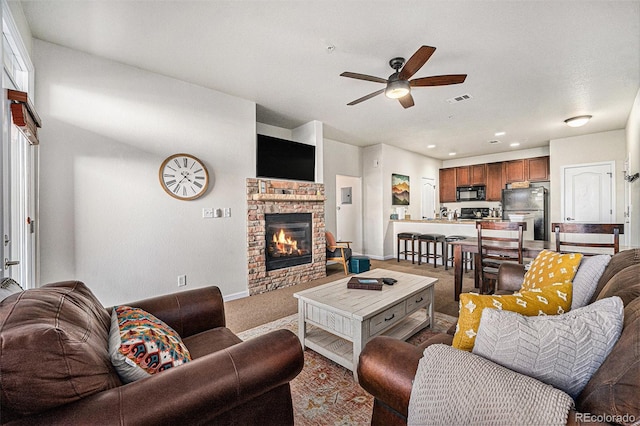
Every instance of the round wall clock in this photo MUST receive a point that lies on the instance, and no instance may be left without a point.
(184, 177)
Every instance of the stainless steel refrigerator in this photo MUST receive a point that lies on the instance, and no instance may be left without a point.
(530, 202)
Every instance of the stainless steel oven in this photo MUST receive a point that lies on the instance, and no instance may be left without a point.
(471, 193)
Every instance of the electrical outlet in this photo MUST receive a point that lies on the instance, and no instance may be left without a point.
(182, 280)
(217, 213)
(227, 212)
(207, 213)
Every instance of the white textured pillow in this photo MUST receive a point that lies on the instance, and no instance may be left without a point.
(586, 279)
(561, 350)
(8, 287)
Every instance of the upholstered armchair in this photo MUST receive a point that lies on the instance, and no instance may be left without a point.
(338, 251)
(55, 366)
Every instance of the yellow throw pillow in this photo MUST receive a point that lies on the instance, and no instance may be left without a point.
(553, 299)
(551, 267)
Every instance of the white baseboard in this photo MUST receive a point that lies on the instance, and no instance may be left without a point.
(235, 296)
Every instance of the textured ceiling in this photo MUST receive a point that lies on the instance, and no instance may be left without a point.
(530, 64)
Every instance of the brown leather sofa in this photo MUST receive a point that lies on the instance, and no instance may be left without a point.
(55, 367)
(388, 366)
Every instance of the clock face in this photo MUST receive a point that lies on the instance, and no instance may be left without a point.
(184, 177)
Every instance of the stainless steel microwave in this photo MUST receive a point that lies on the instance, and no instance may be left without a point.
(471, 193)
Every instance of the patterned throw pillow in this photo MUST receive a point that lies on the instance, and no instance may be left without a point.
(553, 299)
(140, 344)
(551, 267)
(561, 350)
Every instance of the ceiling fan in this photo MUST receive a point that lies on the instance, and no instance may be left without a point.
(398, 84)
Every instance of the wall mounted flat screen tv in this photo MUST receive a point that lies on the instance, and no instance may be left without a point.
(283, 159)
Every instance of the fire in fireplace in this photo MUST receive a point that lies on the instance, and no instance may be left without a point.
(288, 240)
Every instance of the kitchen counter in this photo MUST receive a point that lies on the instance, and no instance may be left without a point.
(445, 227)
(447, 221)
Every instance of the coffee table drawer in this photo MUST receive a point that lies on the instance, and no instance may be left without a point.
(419, 300)
(386, 318)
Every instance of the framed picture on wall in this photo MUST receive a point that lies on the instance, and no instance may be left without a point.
(399, 190)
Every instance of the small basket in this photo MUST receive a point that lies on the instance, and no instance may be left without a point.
(516, 185)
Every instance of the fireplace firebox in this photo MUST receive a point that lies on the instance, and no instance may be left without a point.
(288, 240)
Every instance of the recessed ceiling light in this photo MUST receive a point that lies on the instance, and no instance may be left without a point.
(578, 121)
(493, 142)
(500, 133)
(514, 144)
(452, 154)
(430, 146)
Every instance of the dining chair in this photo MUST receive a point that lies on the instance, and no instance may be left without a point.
(497, 242)
(588, 248)
(338, 251)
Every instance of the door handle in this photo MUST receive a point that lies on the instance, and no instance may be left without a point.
(8, 263)
(570, 218)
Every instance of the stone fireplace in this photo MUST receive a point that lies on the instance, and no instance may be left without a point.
(285, 233)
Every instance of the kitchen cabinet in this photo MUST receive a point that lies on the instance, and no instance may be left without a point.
(532, 169)
(471, 175)
(463, 176)
(495, 182)
(447, 185)
(538, 169)
(514, 171)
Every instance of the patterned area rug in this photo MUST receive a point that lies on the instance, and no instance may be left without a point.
(325, 393)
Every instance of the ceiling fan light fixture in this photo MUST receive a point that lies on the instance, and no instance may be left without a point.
(397, 89)
(578, 121)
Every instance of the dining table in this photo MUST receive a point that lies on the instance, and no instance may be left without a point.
(530, 249)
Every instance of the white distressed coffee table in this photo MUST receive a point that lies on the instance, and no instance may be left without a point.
(344, 319)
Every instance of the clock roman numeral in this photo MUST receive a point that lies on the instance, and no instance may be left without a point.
(197, 171)
(185, 162)
(175, 160)
(197, 184)
(168, 175)
(176, 189)
(171, 182)
(199, 177)
(184, 191)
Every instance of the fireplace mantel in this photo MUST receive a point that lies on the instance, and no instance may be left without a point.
(287, 197)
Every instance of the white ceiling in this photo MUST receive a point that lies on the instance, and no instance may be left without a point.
(530, 64)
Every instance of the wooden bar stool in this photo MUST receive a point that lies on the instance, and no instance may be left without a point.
(467, 258)
(432, 239)
(406, 237)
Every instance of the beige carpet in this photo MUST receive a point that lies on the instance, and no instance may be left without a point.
(253, 311)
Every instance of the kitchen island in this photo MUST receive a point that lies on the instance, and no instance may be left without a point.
(465, 227)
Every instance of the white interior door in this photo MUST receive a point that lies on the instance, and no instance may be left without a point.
(349, 211)
(428, 207)
(588, 193)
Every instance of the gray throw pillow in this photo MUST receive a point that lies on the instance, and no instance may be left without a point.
(8, 287)
(586, 279)
(561, 350)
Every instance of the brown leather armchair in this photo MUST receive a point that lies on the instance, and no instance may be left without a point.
(227, 382)
(388, 366)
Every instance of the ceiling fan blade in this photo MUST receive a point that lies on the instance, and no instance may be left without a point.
(364, 77)
(364, 98)
(416, 62)
(438, 80)
(406, 101)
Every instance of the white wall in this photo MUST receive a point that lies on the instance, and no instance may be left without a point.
(379, 163)
(633, 151)
(105, 219)
(591, 148)
(339, 159)
(500, 156)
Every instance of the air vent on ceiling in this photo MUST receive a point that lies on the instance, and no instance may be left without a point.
(460, 98)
